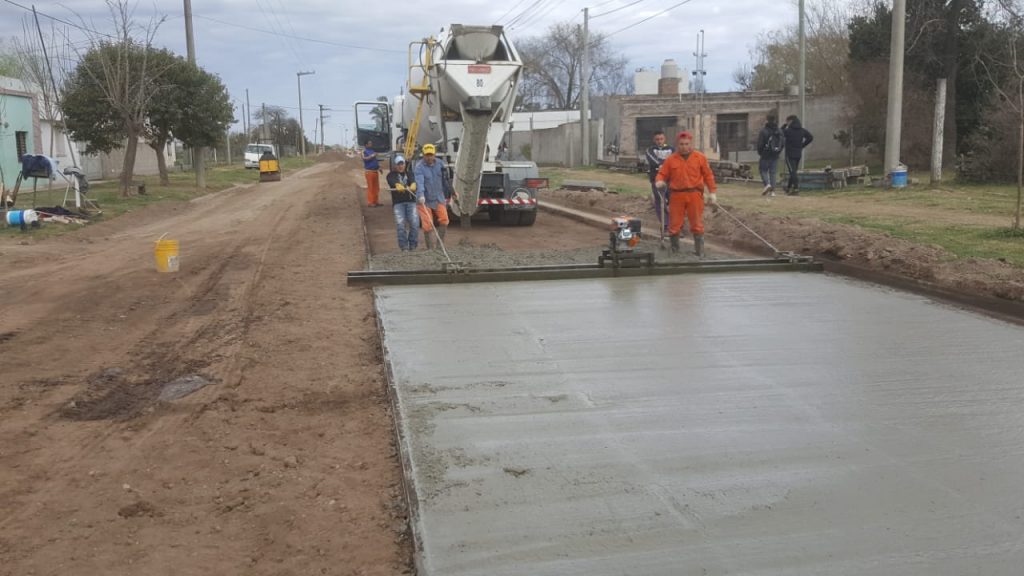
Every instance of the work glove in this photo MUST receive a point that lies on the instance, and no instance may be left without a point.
(421, 199)
(712, 200)
(400, 187)
(660, 184)
(412, 187)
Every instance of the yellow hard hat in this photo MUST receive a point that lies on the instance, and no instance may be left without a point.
(429, 149)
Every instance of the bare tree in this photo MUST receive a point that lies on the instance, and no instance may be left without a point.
(775, 57)
(117, 68)
(1006, 74)
(552, 65)
(45, 77)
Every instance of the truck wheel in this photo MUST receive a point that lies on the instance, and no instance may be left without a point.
(509, 218)
(527, 218)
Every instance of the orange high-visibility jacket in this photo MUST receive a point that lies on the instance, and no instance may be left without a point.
(687, 174)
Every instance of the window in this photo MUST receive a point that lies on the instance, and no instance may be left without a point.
(21, 143)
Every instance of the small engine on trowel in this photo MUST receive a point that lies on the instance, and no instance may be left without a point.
(622, 240)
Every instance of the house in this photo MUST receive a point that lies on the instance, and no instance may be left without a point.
(20, 131)
(724, 124)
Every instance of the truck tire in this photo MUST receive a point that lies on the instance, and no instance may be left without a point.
(509, 217)
(527, 218)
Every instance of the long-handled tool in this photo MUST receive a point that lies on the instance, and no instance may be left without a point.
(661, 216)
(777, 252)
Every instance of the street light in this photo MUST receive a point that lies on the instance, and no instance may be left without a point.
(302, 128)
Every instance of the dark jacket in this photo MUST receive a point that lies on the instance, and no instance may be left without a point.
(655, 158)
(765, 150)
(796, 139)
(397, 196)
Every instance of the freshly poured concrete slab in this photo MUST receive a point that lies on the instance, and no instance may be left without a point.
(772, 424)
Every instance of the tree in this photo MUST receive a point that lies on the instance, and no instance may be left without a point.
(942, 39)
(552, 66)
(281, 129)
(1005, 73)
(199, 107)
(107, 97)
(9, 65)
(35, 71)
(775, 57)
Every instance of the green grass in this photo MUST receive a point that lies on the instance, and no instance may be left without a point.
(967, 220)
(963, 241)
(108, 194)
(617, 182)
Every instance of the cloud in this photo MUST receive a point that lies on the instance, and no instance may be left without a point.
(266, 63)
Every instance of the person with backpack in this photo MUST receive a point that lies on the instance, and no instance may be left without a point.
(770, 143)
(797, 138)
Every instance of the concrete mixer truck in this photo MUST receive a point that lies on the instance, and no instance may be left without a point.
(459, 97)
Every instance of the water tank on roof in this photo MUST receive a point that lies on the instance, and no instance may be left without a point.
(669, 69)
(645, 82)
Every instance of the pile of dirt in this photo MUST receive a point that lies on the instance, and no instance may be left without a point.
(874, 251)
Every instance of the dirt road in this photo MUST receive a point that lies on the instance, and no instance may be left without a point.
(283, 464)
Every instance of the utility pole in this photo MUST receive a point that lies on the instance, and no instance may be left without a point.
(322, 125)
(938, 130)
(56, 92)
(585, 87)
(248, 116)
(803, 63)
(302, 128)
(698, 84)
(263, 126)
(190, 42)
(228, 140)
(894, 118)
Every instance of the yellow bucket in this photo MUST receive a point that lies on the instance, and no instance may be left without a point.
(166, 255)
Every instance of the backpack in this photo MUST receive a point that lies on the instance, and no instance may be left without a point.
(773, 144)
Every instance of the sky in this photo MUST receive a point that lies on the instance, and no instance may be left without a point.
(358, 49)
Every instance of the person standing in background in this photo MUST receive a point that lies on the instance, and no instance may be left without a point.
(371, 166)
(797, 138)
(656, 155)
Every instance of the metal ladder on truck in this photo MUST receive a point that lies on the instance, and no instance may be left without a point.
(421, 91)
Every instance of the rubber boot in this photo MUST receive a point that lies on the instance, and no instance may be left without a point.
(698, 245)
(441, 230)
(674, 243)
(428, 240)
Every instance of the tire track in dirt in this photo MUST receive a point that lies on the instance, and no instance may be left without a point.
(287, 466)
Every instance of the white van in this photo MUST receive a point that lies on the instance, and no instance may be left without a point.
(253, 153)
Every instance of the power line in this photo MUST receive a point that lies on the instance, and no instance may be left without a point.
(61, 20)
(509, 11)
(275, 24)
(519, 17)
(652, 16)
(614, 10)
(536, 18)
(303, 38)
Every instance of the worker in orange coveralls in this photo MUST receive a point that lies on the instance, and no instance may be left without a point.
(685, 174)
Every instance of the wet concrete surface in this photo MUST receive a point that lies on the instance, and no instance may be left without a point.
(772, 424)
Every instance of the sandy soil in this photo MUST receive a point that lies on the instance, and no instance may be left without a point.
(871, 250)
(284, 463)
